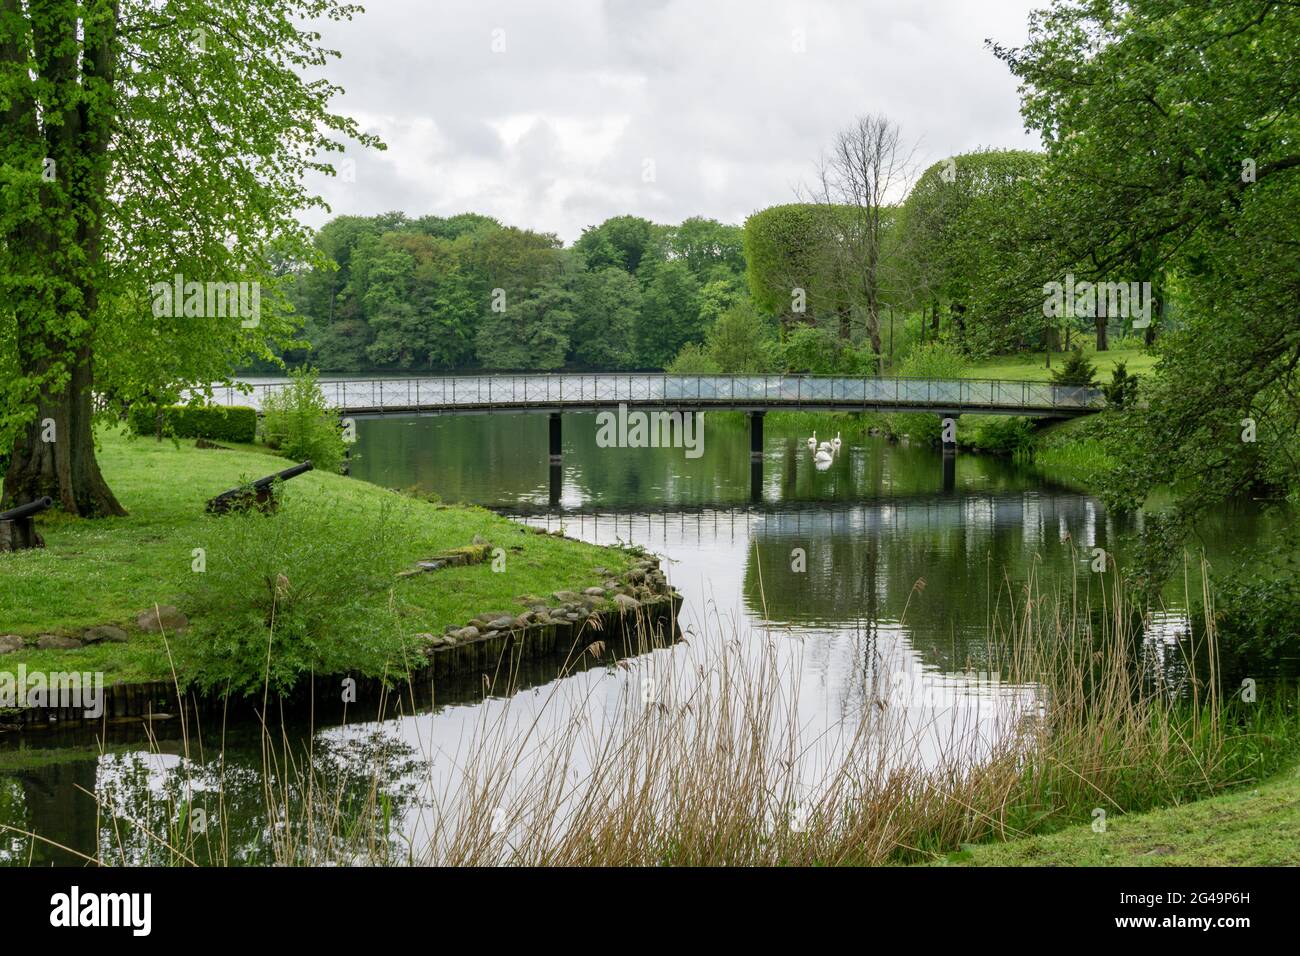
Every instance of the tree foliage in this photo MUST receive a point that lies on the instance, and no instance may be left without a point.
(140, 143)
(1171, 129)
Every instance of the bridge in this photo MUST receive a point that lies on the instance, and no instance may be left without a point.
(554, 394)
(574, 392)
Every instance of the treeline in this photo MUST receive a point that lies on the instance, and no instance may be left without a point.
(438, 293)
(835, 284)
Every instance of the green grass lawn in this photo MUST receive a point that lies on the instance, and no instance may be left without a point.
(106, 571)
(1259, 826)
(1029, 366)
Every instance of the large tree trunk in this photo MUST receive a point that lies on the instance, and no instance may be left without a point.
(1157, 314)
(958, 312)
(55, 454)
(1102, 321)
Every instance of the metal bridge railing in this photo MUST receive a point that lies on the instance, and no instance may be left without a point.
(768, 391)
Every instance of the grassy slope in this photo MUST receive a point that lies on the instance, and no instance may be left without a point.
(1028, 366)
(1259, 826)
(104, 572)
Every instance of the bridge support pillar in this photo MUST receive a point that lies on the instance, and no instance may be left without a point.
(557, 485)
(755, 436)
(949, 438)
(557, 447)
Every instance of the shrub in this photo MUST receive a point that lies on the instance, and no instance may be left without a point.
(1000, 434)
(1122, 390)
(742, 341)
(215, 423)
(304, 590)
(1077, 370)
(300, 424)
(1258, 617)
(934, 359)
(693, 359)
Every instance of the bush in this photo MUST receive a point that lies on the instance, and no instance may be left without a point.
(300, 424)
(935, 359)
(999, 434)
(215, 423)
(693, 359)
(1123, 387)
(1258, 618)
(1077, 370)
(304, 590)
(741, 341)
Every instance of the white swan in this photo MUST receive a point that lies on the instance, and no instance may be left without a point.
(826, 447)
(812, 442)
(835, 442)
(823, 456)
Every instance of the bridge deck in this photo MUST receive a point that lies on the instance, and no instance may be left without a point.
(586, 392)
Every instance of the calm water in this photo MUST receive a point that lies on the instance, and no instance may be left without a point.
(876, 570)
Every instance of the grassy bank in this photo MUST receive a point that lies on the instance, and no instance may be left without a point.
(1032, 367)
(1256, 826)
(105, 572)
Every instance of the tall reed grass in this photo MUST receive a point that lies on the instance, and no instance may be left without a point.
(705, 757)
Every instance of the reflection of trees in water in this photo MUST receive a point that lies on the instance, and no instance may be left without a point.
(315, 801)
(864, 562)
(14, 847)
(49, 801)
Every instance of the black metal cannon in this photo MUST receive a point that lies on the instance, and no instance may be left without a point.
(18, 526)
(259, 494)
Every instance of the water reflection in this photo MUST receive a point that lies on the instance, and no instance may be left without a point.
(867, 584)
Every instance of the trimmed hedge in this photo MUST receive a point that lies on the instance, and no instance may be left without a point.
(236, 423)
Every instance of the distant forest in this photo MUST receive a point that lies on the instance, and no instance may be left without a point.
(833, 285)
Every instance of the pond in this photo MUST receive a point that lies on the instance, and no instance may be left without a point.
(880, 569)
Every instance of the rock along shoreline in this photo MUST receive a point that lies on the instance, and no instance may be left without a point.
(625, 617)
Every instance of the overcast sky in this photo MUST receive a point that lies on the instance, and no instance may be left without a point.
(557, 114)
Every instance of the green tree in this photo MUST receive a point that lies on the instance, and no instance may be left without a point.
(1170, 131)
(961, 240)
(532, 333)
(301, 424)
(810, 350)
(1077, 370)
(622, 241)
(1122, 390)
(787, 261)
(708, 247)
(670, 313)
(515, 261)
(607, 307)
(743, 340)
(138, 143)
(420, 307)
(693, 359)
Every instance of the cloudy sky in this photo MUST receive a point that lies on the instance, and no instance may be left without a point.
(557, 114)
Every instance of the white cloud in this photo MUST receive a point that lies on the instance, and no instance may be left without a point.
(553, 133)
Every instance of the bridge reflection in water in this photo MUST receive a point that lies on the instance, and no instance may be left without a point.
(557, 394)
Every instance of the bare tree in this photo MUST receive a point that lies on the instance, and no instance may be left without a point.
(865, 172)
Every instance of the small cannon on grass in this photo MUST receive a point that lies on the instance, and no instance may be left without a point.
(18, 527)
(260, 494)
